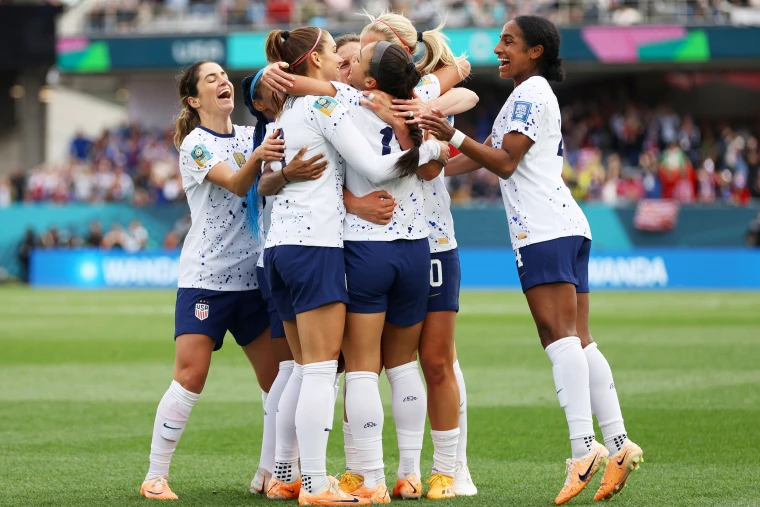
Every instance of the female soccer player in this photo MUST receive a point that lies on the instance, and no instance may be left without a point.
(400, 363)
(259, 101)
(447, 398)
(304, 256)
(347, 46)
(551, 239)
(218, 289)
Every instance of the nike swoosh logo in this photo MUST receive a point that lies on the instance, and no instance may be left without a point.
(412, 485)
(152, 492)
(584, 477)
(620, 463)
(522, 275)
(353, 500)
(434, 295)
(291, 491)
(170, 428)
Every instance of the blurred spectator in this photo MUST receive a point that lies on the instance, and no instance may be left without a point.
(123, 164)
(676, 174)
(6, 192)
(25, 252)
(94, 236)
(138, 236)
(185, 15)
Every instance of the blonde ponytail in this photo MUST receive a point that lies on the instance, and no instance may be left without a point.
(397, 29)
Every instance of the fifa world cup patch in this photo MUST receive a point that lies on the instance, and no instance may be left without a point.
(201, 155)
(424, 82)
(201, 310)
(521, 112)
(325, 105)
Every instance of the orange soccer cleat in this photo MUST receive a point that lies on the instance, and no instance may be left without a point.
(378, 494)
(408, 488)
(619, 468)
(279, 490)
(157, 489)
(580, 472)
(331, 495)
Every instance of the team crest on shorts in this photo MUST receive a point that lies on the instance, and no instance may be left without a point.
(201, 155)
(522, 110)
(201, 310)
(325, 105)
(239, 158)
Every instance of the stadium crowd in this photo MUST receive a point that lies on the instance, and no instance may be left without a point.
(616, 155)
(190, 15)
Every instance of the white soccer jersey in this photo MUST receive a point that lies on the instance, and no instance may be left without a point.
(538, 203)
(265, 217)
(409, 215)
(219, 253)
(436, 196)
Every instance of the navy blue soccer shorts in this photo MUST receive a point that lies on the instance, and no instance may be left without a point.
(390, 277)
(213, 313)
(303, 278)
(445, 279)
(276, 329)
(557, 260)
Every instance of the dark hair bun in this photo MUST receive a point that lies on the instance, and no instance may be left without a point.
(554, 71)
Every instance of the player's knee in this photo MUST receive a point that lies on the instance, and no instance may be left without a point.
(437, 370)
(192, 379)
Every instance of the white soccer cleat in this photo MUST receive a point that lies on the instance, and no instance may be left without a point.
(463, 485)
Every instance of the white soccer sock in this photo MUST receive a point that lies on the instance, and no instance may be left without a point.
(271, 400)
(171, 418)
(604, 399)
(353, 463)
(314, 419)
(571, 379)
(286, 448)
(336, 388)
(462, 446)
(365, 415)
(409, 403)
(445, 451)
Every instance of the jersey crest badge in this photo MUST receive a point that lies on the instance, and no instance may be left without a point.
(239, 158)
(325, 105)
(201, 155)
(201, 310)
(521, 112)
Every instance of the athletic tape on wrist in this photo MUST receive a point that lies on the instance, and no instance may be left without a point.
(457, 139)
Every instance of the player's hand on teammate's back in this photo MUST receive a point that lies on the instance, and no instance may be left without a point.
(415, 105)
(271, 149)
(376, 207)
(305, 170)
(438, 125)
(276, 78)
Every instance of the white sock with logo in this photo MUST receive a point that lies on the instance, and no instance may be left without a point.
(271, 400)
(365, 415)
(604, 399)
(409, 403)
(314, 420)
(353, 463)
(571, 379)
(462, 446)
(445, 451)
(171, 417)
(286, 466)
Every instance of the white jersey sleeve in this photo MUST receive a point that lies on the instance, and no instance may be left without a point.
(429, 88)
(196, 159)
(526, 113)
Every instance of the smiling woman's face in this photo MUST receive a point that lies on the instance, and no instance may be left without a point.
(215, 92)
(347, 52)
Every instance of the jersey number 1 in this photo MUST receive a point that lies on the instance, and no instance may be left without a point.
(387, 133)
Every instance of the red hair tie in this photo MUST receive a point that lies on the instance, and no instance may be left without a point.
(304, 57)
(397, 35)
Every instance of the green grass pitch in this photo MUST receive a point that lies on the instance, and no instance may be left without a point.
(81, 374)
